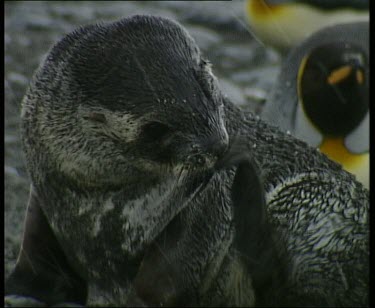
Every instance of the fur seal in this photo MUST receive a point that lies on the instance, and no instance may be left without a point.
(284, 24)
(142, 195)
(322, 95)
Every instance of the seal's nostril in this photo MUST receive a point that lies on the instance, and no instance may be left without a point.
(201, 160)
(218, 148)
(209, 150)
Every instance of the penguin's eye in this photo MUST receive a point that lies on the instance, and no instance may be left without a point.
(155, 131)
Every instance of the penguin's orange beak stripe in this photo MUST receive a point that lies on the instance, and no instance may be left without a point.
(339, 74)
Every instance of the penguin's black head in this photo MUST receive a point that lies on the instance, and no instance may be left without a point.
(138, 90)
(333, 87)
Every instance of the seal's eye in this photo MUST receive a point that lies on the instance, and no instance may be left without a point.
(155, 131)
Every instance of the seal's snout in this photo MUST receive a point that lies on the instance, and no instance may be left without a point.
(209, 150)
(216, 147)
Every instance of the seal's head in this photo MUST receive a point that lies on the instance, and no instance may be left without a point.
(130, 97)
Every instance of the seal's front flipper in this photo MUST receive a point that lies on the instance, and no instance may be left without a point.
(249, 203)
(42, 271)
(262, 253)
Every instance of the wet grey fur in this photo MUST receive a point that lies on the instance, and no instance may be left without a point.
(109, 190)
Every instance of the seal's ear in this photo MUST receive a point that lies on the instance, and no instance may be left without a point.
(42, 271)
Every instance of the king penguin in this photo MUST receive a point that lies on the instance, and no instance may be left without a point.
(322, 95)
(285, 23)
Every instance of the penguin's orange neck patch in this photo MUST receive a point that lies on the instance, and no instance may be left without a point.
(261, 8)
(359, 76)
(335, 149)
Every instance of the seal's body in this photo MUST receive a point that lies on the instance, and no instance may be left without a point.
(126, 136)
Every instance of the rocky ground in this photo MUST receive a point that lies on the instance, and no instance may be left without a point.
(245, 68)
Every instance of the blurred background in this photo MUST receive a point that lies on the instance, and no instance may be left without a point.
(244, 67)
